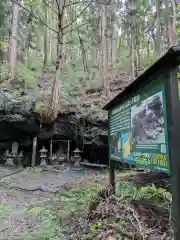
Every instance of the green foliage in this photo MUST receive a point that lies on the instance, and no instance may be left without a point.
(4, 45)
(49, 228)
(39, 108)
(71, 76)
(35, 61)
(4, 210)
(118, 237)
(77, 199)
(37, 28)
(126, 190)
(3, 72)
(24, 75)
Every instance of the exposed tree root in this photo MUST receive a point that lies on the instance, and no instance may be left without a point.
(137, 219)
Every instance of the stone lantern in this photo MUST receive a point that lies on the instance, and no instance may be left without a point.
(20, 158)
(77, 157)
(43, 157)
(9, 161)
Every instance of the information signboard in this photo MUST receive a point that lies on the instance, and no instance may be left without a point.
(138, 128)
(144, 122)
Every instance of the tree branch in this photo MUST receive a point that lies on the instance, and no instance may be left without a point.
(39, 19)
(77, 16)
(58, 6)
(50, 7)
(103, 2)
(75, 28)
(95, 1)
(74, 3)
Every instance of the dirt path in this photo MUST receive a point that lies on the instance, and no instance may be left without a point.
(27, 200)
(14, 217)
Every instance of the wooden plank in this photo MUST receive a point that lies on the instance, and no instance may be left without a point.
(93, 164)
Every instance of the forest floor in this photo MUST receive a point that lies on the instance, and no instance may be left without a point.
(37, 205)
(28, 200)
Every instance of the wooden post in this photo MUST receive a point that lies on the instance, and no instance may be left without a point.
(50, 152)
(34, 152)
(173, 115)
(68, 152)
(112, 177)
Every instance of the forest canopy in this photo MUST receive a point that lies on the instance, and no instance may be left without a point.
(81, 52)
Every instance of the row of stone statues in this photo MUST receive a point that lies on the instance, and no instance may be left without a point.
(12, 158)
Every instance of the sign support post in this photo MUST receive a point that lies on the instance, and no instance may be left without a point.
(112, 177)
(173, 115)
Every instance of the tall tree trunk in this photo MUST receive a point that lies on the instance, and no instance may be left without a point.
(113, 37)
(174, 33)
(104, 46)
(53, 42)
(50, 34)
(13, 41)
(114, 46)
(54, 104)
(132, 12)
(98, 55)
(167, 25)
(2, 25)
(45, 36)
(158, 30)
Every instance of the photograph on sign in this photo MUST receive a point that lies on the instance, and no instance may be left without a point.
(147, 121)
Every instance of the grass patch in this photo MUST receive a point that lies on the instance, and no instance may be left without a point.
(77, 200)
(69, 202)
(4, 210)
(48, 225)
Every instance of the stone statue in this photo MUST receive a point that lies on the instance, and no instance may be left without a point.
(15, 146)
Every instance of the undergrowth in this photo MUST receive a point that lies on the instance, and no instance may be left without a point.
(120, 216)
(116, 217)
(129, 191)
(68, 203)
(77, 200)
(48, 227)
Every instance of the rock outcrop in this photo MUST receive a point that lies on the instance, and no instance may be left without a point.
(81, 118)
(19, 122)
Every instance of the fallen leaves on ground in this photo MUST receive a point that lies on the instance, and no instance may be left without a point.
(136, 213)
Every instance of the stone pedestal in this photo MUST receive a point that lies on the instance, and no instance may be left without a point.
(10, 162)
(43, 164)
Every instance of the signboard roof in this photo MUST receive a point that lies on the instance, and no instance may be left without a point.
(170, 58)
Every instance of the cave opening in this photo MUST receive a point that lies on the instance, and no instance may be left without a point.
(24, 132)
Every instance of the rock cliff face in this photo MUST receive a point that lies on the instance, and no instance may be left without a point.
(19, 123)
(80, 119)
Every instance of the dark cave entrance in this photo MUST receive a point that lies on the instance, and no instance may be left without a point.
(24, 132)
(96, 154)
